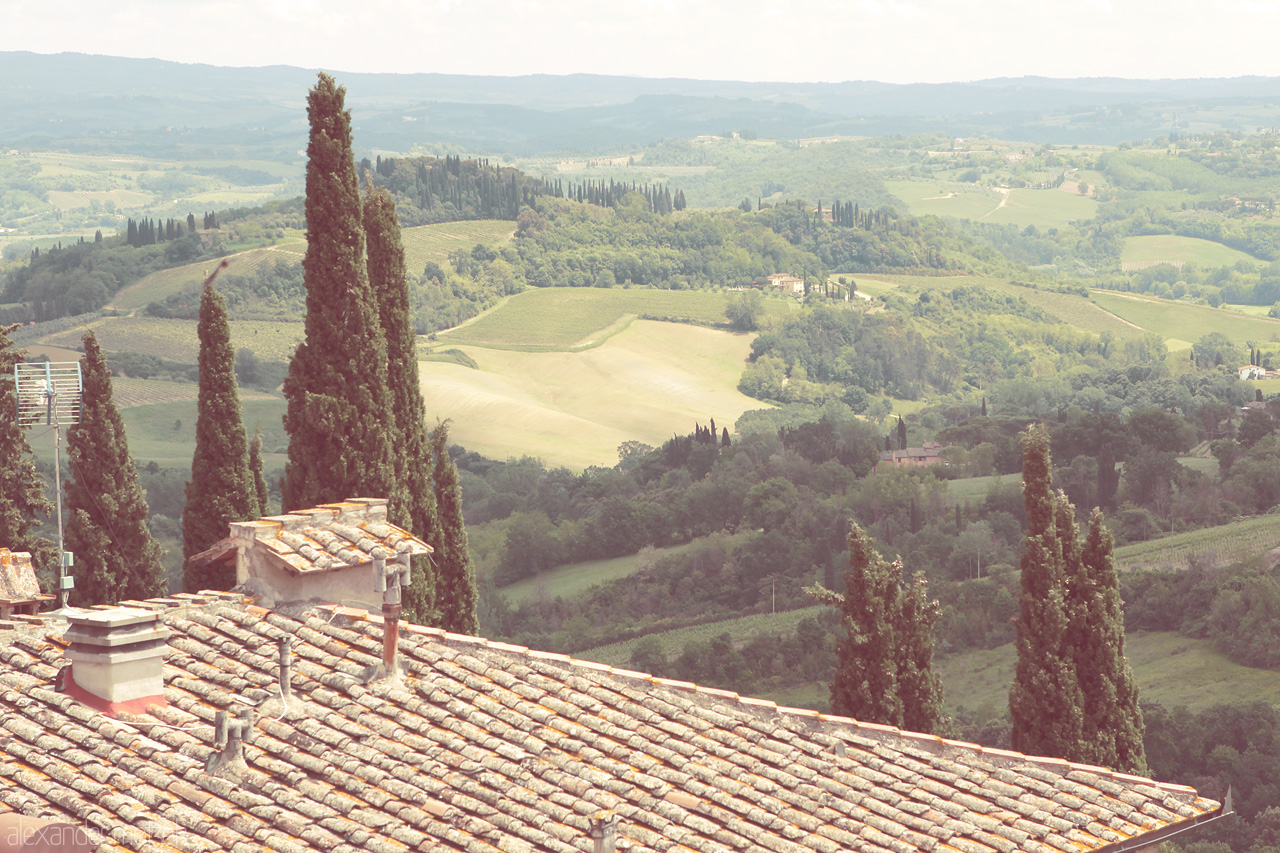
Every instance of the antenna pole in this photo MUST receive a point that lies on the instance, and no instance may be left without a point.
(57, 487)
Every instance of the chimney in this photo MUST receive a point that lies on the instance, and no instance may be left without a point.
(604, 832)
(117, 659)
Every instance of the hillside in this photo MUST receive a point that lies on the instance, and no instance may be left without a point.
(576, 408)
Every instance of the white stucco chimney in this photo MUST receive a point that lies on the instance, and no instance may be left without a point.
(117, 659)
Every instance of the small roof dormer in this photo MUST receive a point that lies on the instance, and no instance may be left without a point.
(323, 553)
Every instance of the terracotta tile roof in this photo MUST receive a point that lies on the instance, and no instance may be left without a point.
(17, 576)
(19, 590)
(490, 747)
(324, 538)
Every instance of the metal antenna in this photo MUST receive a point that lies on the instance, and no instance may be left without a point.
(52, 392)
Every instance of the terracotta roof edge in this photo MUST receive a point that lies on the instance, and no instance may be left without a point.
(768, 706)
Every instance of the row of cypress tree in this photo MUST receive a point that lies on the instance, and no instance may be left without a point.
(355, 412)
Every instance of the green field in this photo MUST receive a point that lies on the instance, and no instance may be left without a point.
(945, 198)
(574, 408)
(1181, 324)
(176, 339)
(1238, 541)
(579, 577)
(165, 283)
(1168, 248)
(1052, 208)
(976, 488)
(740, 629)
(1068, 307)
(71, 199)
(1169, 668)
(563, 318)
(1044, 208)
(165, 433)
(425, 243)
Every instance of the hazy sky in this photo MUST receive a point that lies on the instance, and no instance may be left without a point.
(775, 40)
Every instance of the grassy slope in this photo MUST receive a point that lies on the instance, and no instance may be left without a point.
(1041, 208)
(574, 409)
(579, 577)
(165, 283)
(1067, 307)
(165, 433)
(567, 318)
(422, 244)
(740, 629)
(1170, 669)
(1181, 324)
(425, 243)
(176, 339)
(1238, 541)
(1170, 247)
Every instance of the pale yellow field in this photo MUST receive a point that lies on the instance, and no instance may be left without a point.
(574, 409)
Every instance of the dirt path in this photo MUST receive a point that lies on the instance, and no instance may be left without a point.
(1122, 296)
(1004, 199)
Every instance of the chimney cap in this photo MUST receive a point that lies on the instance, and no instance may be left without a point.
(115, 617)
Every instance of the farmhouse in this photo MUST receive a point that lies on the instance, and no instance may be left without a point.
(786, 282)
(210, 722)
(1252, 371)
(929, 454)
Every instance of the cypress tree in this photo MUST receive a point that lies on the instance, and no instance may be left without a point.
(23, 503)
(116, 555)
(456, 576)
(884, 672)
(411, 503)
(221, 489)
(340, 444)
(1112, 725)
(919, 685)
(259, 478)
(1044, 701)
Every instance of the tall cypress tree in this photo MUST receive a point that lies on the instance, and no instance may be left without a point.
(920, 686)
(411, 503)
(221, 489)
(884, 670)
(340, 444)
(259, 478)
(455, 574)
(1112, 725)
(116, 557)
(1044, 702)
(23, 503)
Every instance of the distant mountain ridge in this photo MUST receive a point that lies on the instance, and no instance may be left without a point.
(86, 103)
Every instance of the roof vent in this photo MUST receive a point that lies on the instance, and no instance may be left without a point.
(117, 659)
(604, 832)
(230, 733)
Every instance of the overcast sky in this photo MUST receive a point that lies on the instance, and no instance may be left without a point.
(773, 40)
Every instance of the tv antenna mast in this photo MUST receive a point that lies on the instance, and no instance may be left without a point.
(51, 393)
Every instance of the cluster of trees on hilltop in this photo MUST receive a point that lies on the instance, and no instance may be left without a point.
(432, 189)
(84, 276)
(941, 342)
